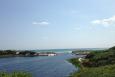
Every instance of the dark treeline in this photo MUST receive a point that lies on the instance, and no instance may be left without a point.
(7, 52)
(10, 53)
(15, 52)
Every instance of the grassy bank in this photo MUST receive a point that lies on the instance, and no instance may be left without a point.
(96, 64)
(103, 71)
(15, 74)
(75, 62)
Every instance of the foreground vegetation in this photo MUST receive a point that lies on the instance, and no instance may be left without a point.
(96, 64)
(15, 74)
(103, 71)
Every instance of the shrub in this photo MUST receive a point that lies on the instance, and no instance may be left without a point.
(15, 74)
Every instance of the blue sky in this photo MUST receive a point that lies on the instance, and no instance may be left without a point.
(46, 24)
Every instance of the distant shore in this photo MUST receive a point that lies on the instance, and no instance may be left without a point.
(26, 53)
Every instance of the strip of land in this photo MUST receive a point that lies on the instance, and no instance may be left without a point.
(100, 63)
(24, 53)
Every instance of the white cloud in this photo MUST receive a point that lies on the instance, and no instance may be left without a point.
(105, 22)
(41, 23)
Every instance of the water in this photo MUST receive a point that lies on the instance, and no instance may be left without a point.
(41, 66)
(56, 50)
(67, 50)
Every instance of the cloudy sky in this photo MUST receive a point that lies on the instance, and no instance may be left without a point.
(45, 24)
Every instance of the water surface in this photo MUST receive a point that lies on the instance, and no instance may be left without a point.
(43, 66)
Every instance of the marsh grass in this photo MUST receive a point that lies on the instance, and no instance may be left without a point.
(15, 74)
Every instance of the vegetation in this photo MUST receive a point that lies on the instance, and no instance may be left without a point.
(14, 52)
(7, 52)
(100, 58)
(11, 53)
(81, 52)
(103, 71)
(15, 74)
(100, 63)
(75, 62)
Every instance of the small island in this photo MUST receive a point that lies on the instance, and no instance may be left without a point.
(24, 53)
(96, 63)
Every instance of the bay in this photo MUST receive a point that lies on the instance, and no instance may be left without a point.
(41, 66)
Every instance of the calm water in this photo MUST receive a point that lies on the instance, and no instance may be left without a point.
(44, 66)
(67, 50)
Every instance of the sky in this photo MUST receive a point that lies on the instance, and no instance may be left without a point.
(52, 24)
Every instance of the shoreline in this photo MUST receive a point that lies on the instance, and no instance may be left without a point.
(100, 63)
(59, 64)
(14, 53)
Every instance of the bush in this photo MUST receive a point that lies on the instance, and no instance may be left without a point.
(15, 74)
(97, 64)
(104, 71)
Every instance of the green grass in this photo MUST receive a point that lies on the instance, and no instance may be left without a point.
(75, 62)
(15, 74)
(103, 71)
(96, 64)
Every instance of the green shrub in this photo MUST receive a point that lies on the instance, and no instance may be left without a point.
(97, 64)
(15, 74)
(104, 71)
(75, 62)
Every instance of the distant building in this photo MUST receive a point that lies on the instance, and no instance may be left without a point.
(17, 53)
(51, 54)
(46, 54)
